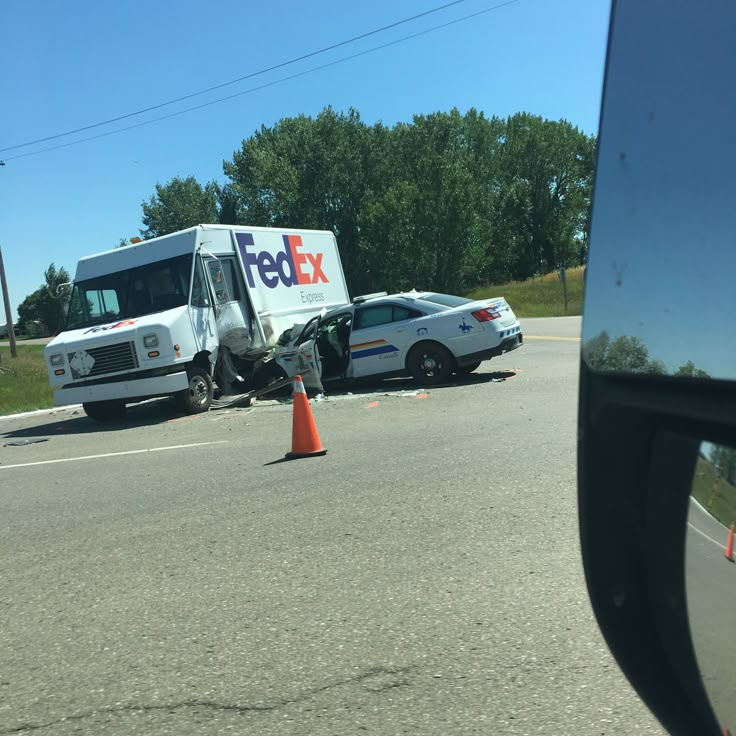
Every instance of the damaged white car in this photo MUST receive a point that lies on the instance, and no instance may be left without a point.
(426, 335)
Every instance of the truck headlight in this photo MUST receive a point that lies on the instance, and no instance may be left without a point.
(150, 341)
(56, 359)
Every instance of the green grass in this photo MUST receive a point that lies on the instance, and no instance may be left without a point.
(24, 382)
(539, 297)
(714, 493)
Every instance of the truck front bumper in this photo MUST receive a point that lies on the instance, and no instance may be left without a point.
(135, 390)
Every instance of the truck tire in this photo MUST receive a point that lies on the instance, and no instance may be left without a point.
(198, 397)
(104, 411)
(430, 363)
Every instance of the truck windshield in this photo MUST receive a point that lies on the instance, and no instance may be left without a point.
(135, 292)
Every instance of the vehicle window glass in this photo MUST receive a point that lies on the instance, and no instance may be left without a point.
(134, 292)
(103, 305)
(340, 324)
(219, 284)
(445, 300)
(374, 316)
(401, 313)
(200, 296)
(231, 278)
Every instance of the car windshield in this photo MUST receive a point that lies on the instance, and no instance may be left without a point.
(134, 292)
(445, 300)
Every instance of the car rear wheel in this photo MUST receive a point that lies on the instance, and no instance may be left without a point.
(430, 363)
(104, 411)
(198, 397)
(465, 370)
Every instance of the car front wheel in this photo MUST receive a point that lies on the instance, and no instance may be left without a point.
(430, 363)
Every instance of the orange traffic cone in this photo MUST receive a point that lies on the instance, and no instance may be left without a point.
(304, 438)
(729, 544)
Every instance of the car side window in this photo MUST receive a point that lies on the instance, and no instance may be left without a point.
(383, 315)
(374, 316)
(401, 313)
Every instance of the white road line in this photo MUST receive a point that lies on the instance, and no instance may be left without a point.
(710, 539)
(112, 454)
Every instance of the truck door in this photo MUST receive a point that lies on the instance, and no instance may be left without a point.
(202, 313)
(236, 327)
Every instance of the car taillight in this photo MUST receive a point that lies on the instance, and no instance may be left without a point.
(485, 315)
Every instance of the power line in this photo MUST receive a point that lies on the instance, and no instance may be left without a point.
(260, 72)
(268, 84)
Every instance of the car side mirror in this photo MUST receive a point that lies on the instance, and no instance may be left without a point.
(657, 417)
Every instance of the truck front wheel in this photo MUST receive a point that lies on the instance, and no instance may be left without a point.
(198, 397)
(104, 411)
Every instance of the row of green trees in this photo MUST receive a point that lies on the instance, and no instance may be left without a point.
(446, 202)
(629, 354)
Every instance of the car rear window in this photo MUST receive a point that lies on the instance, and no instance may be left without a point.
(445, 300)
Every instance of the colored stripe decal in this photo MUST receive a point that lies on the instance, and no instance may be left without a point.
(372, 344)
(374, 351)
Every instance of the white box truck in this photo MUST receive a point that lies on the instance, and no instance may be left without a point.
(169, 315)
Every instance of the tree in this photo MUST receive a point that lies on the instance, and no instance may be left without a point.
(446, 202)
(177, 205)
(625, 354)
(689, 370)
(122, 243)
(44, 310)
(543, 195)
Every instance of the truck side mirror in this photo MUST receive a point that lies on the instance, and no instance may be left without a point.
(657, 421)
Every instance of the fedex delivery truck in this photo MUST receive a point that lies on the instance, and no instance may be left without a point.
(172, 315)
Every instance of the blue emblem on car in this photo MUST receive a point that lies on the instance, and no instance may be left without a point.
(465, 328)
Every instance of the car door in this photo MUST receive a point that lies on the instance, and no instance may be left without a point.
(301, 356)
(380, 338)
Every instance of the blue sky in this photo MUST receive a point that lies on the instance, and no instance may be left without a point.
(67, 65)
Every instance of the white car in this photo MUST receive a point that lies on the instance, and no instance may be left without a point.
(426, 335)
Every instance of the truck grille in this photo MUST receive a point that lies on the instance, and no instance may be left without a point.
(100, 361)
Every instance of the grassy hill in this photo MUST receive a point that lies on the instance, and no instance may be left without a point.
(539, 297)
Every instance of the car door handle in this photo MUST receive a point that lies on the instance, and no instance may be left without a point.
(401, 329)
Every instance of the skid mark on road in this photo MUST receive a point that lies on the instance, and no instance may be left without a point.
(111, 454)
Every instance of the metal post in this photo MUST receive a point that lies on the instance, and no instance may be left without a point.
(6, 299)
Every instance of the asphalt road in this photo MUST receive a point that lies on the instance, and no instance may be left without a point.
(711, 595)
(423, 577)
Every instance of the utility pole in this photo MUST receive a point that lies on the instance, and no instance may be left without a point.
(8, 315)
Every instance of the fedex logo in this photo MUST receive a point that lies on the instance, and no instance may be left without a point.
(124, 323)
(289, 266)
